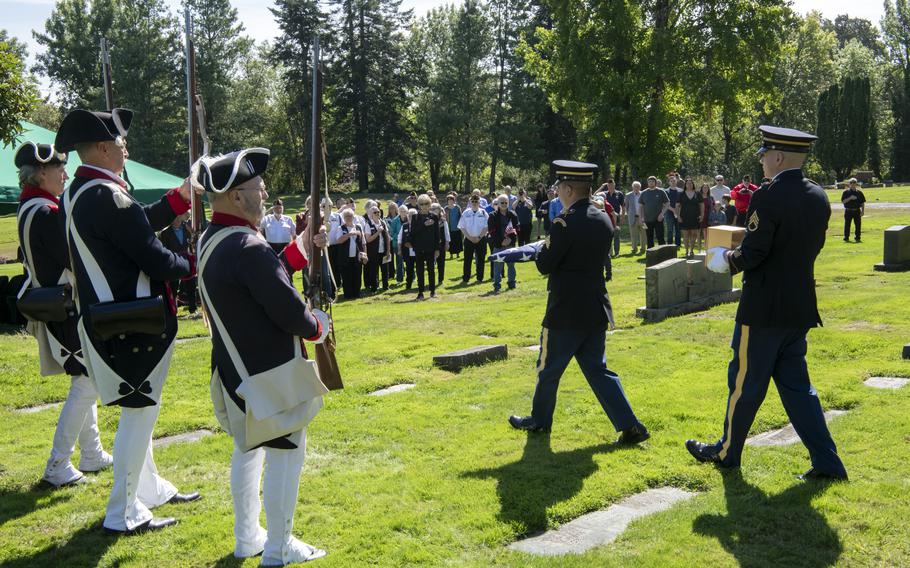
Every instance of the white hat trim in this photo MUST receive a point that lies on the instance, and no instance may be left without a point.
(204, 162)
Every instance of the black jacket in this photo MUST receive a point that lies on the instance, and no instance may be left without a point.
(498, 224)
(574, 257)
(785, 232)
(425, 237)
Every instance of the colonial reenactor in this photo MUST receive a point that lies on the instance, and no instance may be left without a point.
(785, 231)
(43, 178)
(574, 257)
(264, 390)
(128, 320)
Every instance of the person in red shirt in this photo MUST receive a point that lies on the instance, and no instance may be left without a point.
(742, 195)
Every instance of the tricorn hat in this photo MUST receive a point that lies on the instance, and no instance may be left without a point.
(83, 125)
(33, 154)
(785, 140)
(222, 173)
(568, 170)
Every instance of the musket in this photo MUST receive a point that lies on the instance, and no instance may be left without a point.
(195, 117)
(317, 295)
(109, 93)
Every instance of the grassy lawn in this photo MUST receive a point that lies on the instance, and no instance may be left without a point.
(899, 194)
(435, 475)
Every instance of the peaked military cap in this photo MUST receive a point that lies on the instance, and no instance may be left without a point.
(785, 140)
(221, 173)
(32, 154)
(83, 125)
(568, 170)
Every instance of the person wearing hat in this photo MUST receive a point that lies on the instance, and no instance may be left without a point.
(785, 232)
(575, 257)
(278, 228)
(42, 178)
(128, 320)
(264, 390)
(854, 208)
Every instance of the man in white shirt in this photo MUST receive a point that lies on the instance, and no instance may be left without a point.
(278, 228)
(719, 190)
(474, 225)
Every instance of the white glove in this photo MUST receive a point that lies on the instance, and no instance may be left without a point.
(325, 323)
(717, 260)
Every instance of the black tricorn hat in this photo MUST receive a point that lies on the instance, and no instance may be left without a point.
(226, 172)
(33, 154)
(83, 125)
(568, 170)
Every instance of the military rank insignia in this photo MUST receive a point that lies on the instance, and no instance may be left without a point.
(753, 222)
(559, 221)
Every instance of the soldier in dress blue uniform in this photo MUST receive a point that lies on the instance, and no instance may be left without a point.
(785, 231)
(575, 258)
(43, 179)
(117, 260)
(264, 391)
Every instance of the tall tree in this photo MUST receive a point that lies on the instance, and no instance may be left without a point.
(220, 44)
(896, 30)
(844, 118)
(299, 21)
(18, 95)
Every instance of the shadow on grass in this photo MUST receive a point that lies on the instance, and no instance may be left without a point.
(85, 547)
(540, 479)
(16, 504)
(781, 530)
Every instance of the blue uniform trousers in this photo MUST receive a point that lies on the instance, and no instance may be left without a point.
(758, 355)
(557, 347)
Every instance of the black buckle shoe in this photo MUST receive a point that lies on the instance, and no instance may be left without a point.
(815, 474)
(179, 498)
(634, 435)
(703, 452)
(527, 424)
(153, 524)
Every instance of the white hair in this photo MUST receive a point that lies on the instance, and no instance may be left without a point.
(28, 175)
(636, 184)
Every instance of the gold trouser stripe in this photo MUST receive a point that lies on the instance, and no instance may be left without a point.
(738, 390)
(542, 362)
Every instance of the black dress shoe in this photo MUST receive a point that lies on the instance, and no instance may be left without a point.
(526, 423)
(814, 474)
(703, 452)
(185, 497)
(634, 435)
(153, 524)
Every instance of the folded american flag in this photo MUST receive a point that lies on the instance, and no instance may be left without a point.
(518, 254)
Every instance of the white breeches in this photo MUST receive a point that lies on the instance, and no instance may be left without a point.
(78, 421)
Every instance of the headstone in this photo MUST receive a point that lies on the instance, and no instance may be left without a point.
(600, 527)
(666, 283)
(457, 360)
(533, 347)
(886, 382)
(39, 408)
(906, 353)
(657, 254)
(393, 389)
(704, 282)
(896, 257)
(786, 435)
(185, 437)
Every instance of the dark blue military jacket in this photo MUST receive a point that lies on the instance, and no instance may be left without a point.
(250, 287)
(48, 253)
(575, 257)
(120, 234)
(785, 232)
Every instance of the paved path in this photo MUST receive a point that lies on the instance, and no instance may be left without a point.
(875, 205)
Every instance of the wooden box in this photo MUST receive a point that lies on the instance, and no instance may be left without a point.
(726, 236)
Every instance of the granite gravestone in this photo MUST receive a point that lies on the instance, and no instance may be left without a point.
(896, 256)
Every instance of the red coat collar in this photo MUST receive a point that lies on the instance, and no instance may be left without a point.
(92, 173)
(230, 221)
(30, 191)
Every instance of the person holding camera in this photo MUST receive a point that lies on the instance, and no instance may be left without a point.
(854, 208)
(741, 194)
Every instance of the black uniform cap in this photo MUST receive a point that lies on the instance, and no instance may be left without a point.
(785, 140)
(32, 154)
(226, 172)
(568, 170)
(83, 125)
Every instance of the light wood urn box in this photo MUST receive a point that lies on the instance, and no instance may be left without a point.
(726, 236)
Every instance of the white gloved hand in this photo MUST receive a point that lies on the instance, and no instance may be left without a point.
(717, 260)
(325, 323)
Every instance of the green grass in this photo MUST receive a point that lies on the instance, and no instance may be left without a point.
(899, 194)
(435, 476)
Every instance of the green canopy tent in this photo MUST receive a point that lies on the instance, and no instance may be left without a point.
(150, 184)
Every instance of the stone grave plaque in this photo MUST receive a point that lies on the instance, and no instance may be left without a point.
(457, 360)
(666, 284)
(657, 254)
(896, 256)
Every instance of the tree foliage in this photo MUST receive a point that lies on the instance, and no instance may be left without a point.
(844, 120)
(18, 95)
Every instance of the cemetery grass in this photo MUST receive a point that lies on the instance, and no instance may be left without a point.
(435, 476)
